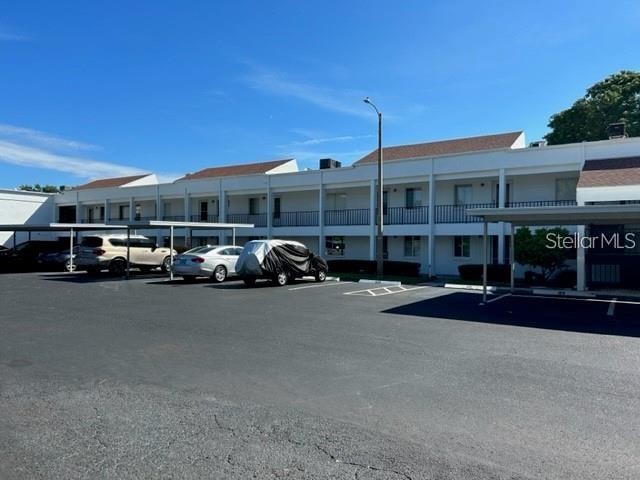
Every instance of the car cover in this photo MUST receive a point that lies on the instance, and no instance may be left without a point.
(267, 257)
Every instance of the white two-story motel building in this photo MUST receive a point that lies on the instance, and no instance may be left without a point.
(428, 188)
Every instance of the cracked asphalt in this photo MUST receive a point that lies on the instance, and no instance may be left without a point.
(103, 378)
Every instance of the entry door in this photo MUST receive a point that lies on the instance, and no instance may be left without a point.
(204, 211)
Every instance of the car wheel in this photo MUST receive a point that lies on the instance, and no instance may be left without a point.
(189, 278)
(68, 267)
(166, 264)
(281, 279)
(117, 267)
(219, 274)
(321, 276)
(249, 282)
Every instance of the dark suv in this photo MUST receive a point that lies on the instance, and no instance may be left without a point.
(24, 256)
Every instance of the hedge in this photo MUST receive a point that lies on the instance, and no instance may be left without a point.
(495, 273)
(407, 269)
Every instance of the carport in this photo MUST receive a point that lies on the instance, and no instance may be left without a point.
(194, 226)
(550, 216)
(72, 228)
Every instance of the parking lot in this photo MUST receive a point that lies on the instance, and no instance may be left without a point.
(148, 378)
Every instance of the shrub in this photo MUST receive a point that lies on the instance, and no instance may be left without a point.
(495, 272)
(407, 269)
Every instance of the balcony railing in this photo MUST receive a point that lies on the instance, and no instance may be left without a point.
(406, 216)
(542, 203)
(258, 219)
(296, 219)
(143, 219)
(173, 218)
(357, 216)
(204, 218)
(92, 220)
(118, 221)
(458, 213)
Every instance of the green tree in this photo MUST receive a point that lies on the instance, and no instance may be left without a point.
(614, 99)
(537, 250)
(38, 188)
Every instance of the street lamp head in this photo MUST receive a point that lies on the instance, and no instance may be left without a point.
(366, 100)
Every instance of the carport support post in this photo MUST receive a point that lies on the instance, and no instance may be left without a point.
(233, 236)
(171, 252)
(71, 250)
(128, 249)
(512, 257)
(484, 262)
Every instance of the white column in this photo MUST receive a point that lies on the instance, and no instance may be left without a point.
(484, 262)
(131, 209)
(78, 212)
(581, 269)
(502, 190)
(222, 212)
(187, 207)
(159, 205)
(432, 214)
(107, 211)
(512, 256)
(269, 208)
(372, 220)
(321, 241)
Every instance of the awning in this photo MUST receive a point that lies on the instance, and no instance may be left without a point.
(568, 215)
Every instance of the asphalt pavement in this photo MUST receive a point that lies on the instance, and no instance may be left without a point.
(153, 379)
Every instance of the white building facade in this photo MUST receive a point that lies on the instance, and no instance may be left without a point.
(333, 210)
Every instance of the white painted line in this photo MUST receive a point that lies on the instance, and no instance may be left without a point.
(380, 282)
(599, 300)
(612, 307)
(499, 298)
(381, 291)
(326, 284)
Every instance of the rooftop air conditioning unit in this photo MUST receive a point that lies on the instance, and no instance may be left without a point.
(617, 130)
(538, 144)
(326, 163)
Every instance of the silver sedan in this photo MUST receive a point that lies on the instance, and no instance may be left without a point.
(215, 262)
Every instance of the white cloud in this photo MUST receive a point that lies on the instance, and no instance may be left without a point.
(317, 141)
(9, 36)
(27, 156)
(21, 134)
(345, 102)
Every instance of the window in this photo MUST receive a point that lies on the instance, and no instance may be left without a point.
(334, 245)
(462, 246)
(463, 194)
(566, 188)
(385, 202)
(123, 212)
(412, 197)
(412, 246)
(138, 212)
(254, 206)
(101, 214)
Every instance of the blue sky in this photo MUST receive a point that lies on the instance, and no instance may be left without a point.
(95, 89)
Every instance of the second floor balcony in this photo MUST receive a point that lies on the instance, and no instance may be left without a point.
(354, 216)
(258, 219)
(296, 219)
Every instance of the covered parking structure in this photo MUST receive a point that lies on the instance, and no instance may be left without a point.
(581, 215)
(73, 228)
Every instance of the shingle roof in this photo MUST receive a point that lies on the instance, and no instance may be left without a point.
(610, 172)
(110, 182)
(231, 170)
(444, 147)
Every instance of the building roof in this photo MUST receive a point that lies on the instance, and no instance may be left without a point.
(610, 172)
(232, 170)
(110, 182)
(444, 147)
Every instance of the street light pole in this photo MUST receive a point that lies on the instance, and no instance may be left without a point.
(379, 195)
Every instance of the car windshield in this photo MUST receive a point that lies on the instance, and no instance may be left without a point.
(200, 249)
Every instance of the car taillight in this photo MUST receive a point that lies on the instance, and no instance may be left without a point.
(197, 259)
(99, 251)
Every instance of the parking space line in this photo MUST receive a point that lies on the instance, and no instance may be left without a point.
(612, 307)
(327, 284)
(600, 300)
(499, 298)
(381, 291)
